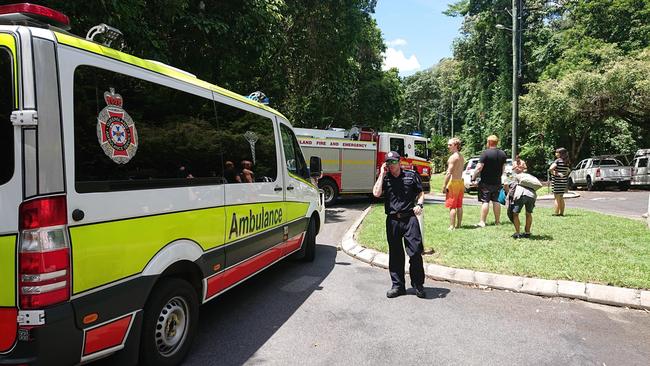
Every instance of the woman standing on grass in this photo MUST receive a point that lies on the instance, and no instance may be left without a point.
(560, 177)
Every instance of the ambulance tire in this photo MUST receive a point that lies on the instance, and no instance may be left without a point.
(173, 307)
(308, 251)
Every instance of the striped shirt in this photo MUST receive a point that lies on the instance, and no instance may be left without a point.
(560, 184)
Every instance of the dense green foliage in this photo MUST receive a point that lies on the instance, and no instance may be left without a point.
(584, 77)
(319, 62)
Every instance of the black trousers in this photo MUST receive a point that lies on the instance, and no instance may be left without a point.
(403, 234)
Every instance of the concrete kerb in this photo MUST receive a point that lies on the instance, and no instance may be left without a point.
(609, 295)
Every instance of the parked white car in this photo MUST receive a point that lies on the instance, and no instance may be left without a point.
(641, 168)
(470, 167)
(598, 172)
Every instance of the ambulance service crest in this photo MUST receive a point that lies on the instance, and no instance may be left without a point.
(115, 130)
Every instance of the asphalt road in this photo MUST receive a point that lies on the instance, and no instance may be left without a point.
(334, 312)
(631, 204)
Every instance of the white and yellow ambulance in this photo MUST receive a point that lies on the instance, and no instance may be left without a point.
(131, 192)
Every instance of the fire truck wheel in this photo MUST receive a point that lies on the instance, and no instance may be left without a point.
(170, 323)
(331, 190)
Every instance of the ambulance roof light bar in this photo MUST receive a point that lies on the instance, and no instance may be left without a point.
(109, 34)
(30, 14)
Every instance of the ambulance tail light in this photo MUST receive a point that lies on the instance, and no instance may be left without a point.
(598, 173)
(44, 253)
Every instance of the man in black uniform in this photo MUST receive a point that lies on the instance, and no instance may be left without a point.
(404, 200)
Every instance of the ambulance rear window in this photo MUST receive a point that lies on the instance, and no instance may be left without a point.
(6, 128)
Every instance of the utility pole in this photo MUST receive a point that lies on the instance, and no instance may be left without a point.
(452, 114)
(515, 75)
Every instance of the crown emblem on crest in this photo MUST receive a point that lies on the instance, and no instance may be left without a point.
(113, 99)
(116, 131)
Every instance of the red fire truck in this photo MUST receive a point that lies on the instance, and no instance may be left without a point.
(351, 158)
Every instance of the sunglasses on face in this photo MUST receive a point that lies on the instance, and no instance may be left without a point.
(391, 162)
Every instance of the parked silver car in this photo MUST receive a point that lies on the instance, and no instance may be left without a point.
(641, 168)
(470, 167)
(598, 172)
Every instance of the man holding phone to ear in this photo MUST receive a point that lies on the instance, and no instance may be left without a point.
(404, 199)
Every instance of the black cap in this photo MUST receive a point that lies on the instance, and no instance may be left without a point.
(393, 155)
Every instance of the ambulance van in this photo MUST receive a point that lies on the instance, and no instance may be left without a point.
(131, 192)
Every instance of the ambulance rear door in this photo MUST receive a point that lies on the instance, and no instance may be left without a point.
(11, 192)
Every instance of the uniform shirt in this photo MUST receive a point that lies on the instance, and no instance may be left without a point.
(492, 160)
(401, 192)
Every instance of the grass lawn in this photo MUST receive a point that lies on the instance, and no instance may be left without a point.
(581, 246)
(436, 182)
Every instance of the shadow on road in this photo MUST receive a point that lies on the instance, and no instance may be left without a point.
(335, 215)
(235, 325)
(432, 293)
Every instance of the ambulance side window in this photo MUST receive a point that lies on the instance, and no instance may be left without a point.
(135, 134)
(397, 144)
(6, 107)
(248, 140)
(292, 153)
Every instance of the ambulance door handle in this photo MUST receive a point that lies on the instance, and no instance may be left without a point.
(277, 188)
(289, 188)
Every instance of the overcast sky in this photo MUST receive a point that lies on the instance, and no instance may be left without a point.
(416, 33)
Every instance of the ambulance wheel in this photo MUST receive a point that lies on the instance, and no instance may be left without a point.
(170, 321)
(330, 189)
(308, 251)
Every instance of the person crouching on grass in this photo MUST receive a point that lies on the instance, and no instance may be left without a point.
(520, 197)
(454, 187)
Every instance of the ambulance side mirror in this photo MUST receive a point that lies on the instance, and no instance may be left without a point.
(315, 167)
(429, 154)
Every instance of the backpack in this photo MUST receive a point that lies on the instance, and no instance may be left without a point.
(528, 181)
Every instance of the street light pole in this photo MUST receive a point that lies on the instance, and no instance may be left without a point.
(452, 114)
(515, 75)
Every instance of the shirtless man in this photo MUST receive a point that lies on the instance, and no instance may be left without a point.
(454, 187)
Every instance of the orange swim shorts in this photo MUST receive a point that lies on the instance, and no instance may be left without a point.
(455, 192)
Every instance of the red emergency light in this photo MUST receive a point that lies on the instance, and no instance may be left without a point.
(30, 13)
